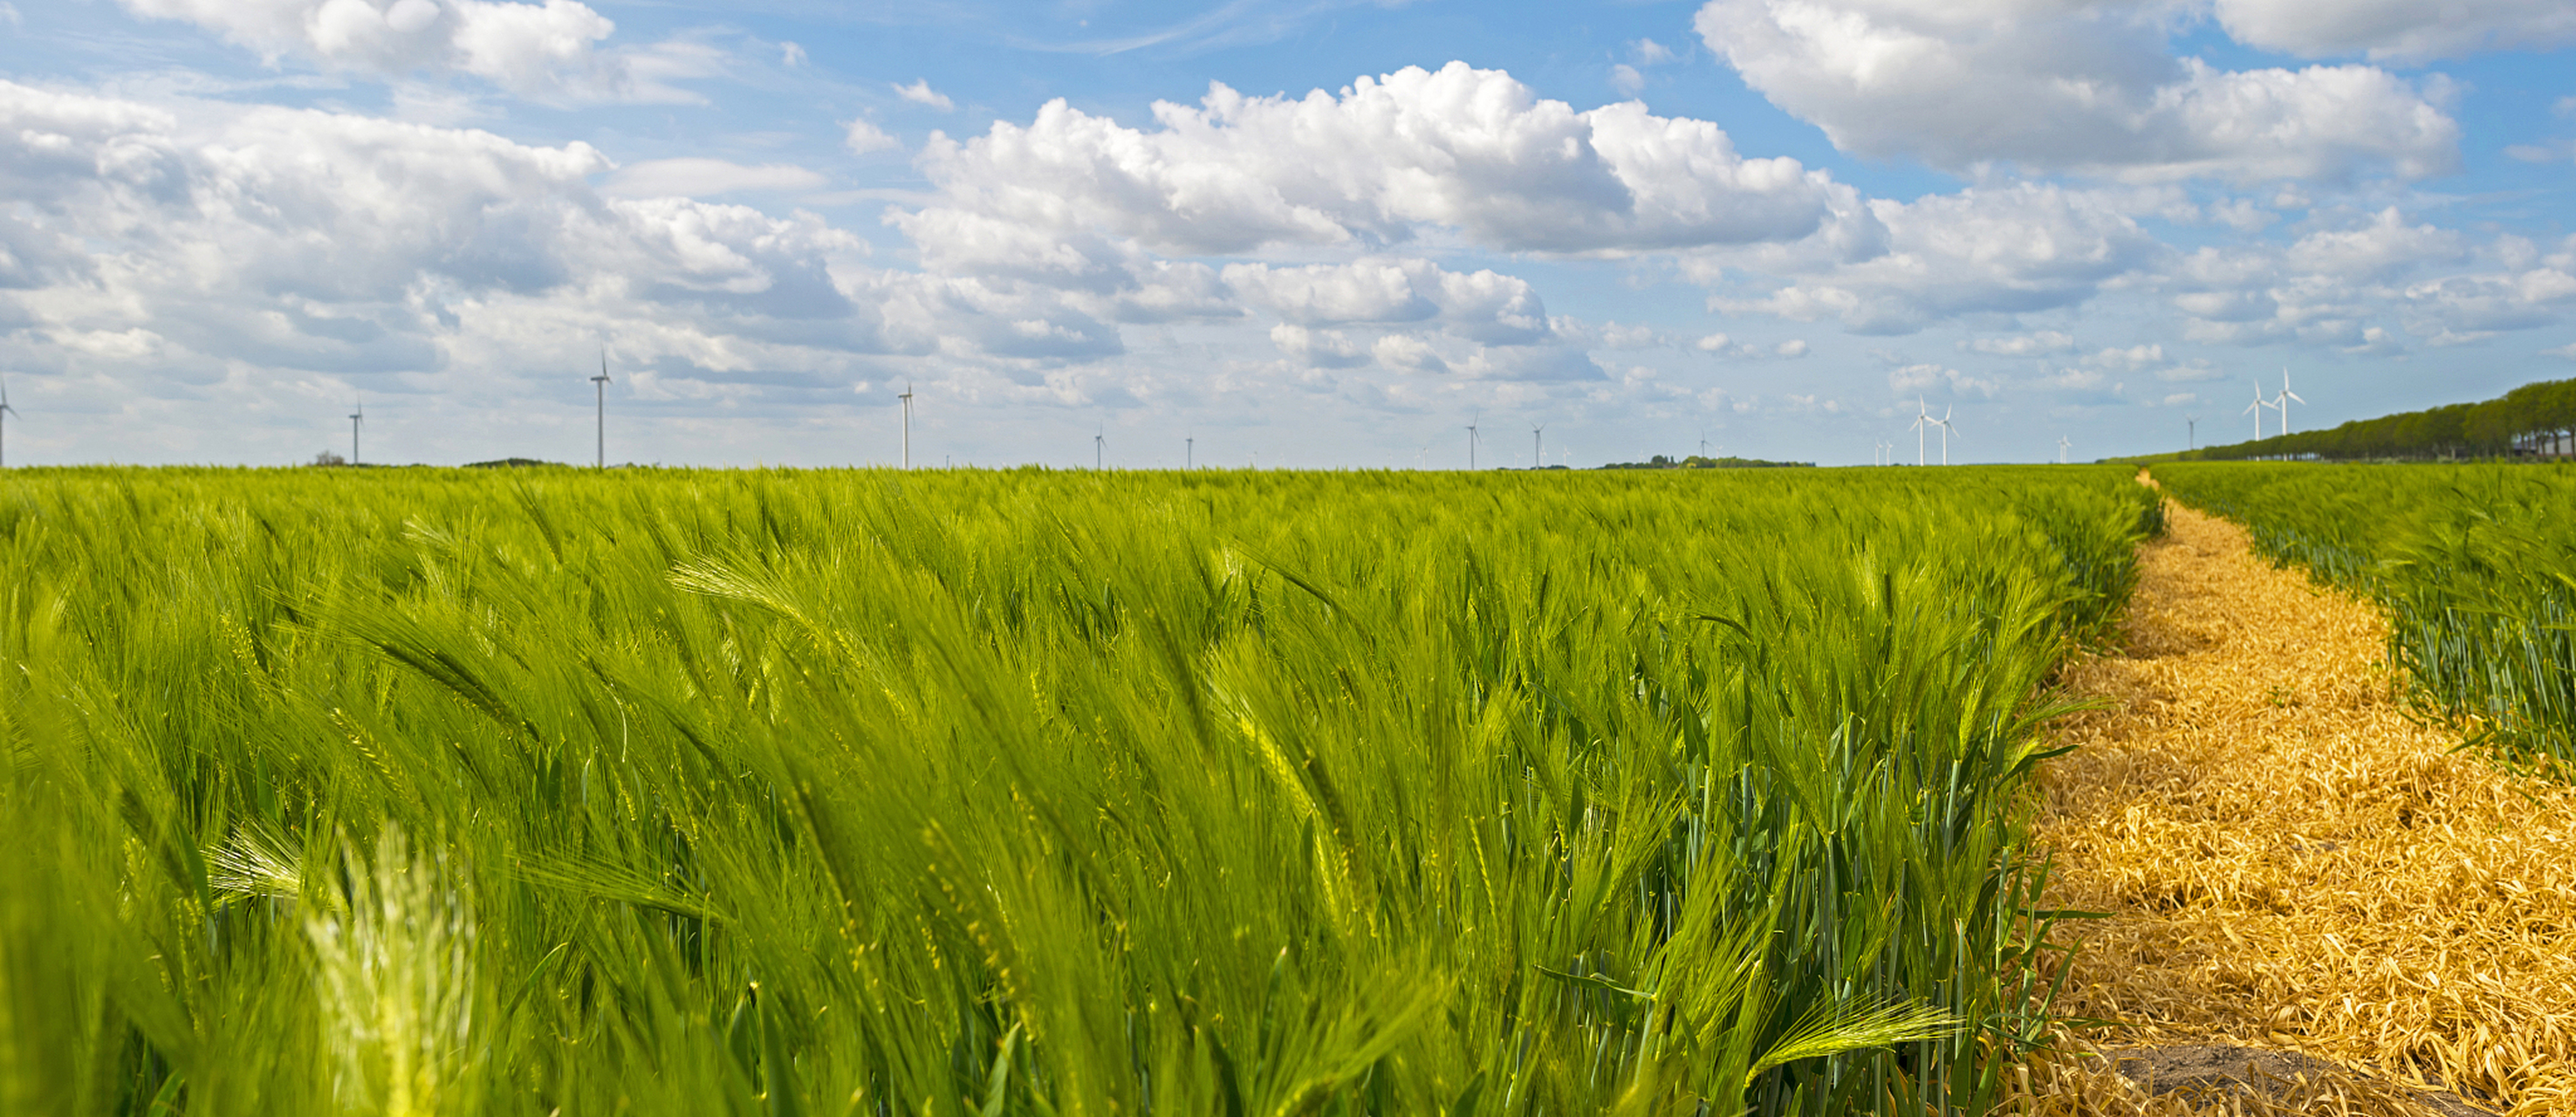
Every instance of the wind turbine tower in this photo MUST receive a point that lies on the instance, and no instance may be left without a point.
(2281, 403)
(2191, 431)
(5, 412)
(2256, 410)
(1190, 453)
(1946, 429)
(1922, 419)
(600, 382)
(1471, 443)
(1536, 462)
(2062, 444)
(906, 397)
(355, 417)
(1099, 442)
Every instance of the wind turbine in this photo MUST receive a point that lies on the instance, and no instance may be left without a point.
(1471, 442)
(601, 383)
(355, 417)
(1099, 441)
(1536, 462)
(2062, 444)
(2256, 409)
(1922, 419)
(5, 412)
(906, 397)
(2281, 403)
(1946, 430)
(1703, 444)
(1190, 452)
(2191, 430)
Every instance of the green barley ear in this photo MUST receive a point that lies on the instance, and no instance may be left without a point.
(394, 969)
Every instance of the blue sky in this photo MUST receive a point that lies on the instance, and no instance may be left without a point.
(1307, 234)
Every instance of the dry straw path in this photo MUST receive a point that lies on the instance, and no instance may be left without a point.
(2290, 862)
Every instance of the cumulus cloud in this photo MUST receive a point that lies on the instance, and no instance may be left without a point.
(920, 93)
(1720, 345)
(2131, 359)
(1408, 353)
(1461, 149)
(548, 51)
(2394, 29)
(705, 178)
(2021, 345)
(2081, 87)
(1916, 379)
(2344, 284)
(862, 137)
(1318, 348)
(1903, 266)
(1482, 306)
(341, 244)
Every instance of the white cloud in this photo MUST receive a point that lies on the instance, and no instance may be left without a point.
(2182, 399)
(1461, 149)
(1609, 335)
(1318, 348)
(2568, 351)
(1720, 345)
(1896, 267)
(1408, 353)
(2242, 215)
(345, 245)
(705, 178)
(920, 93)
(2460, 306)
(2130, 359)
(2346, 284)
(862, 137)
(1651, 53)
(1626, 79)
(2088, 88)
(1915, 379)
(2385, 247)
(791, 55)
(2395, 29)
(547, 51)
(1482, 306)
(2021, 345)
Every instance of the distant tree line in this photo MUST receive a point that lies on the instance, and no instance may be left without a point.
(1695, 461)
(2535, 420)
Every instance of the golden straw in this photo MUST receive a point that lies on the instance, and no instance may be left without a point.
(2292, 863)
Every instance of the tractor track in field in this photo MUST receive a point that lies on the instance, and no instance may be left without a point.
(2291, 864)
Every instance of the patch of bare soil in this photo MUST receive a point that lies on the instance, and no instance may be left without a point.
(2293, 866)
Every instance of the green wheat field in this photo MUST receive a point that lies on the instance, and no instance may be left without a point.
(867, 792)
